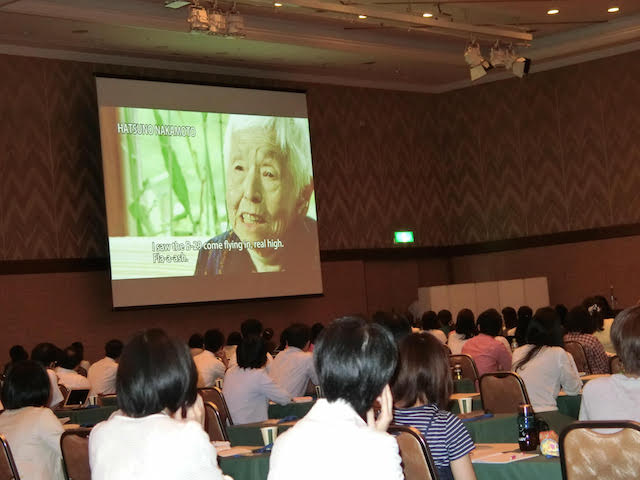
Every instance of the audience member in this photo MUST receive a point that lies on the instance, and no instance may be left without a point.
(488, 353)
(316, 328)
(354, 361)
(562, 312)
(292, 368)
(580, 327)
(32, 430)
(465, 329)
(432, 325)
(45, 354)
(617, 397)
(209, 364)
(600, 310)
(196, 344)
(252, 327)
(421, 391)
(510, 318)
(248, 387)
(283, 342)
(102, 374)
(233, 340)
(524, 317)
(149, 440)
(545, 367)
(67, 376)
(267, 336)
(397, 324)
(446, 321)
(84, 365)
(17, 353)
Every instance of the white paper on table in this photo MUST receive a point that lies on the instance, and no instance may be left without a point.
(302, 399)
(507, 457)
(230, 452)
(498, 453)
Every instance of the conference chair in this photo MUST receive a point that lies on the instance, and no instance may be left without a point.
(587, 452)
(74, 444)
(215, 395)
(579, 356)
(615, 365)
(502, 392)
(8, 469)
(107, 400)
(213, 424)
(417, 463)
(467, 365)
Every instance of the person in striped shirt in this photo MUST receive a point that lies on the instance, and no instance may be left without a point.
(421, 389)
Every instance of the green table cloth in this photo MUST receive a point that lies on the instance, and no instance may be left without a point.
(503, 427)
(298, 410)
(568, 405)
(246, 467)
(466, 385)
(532, 469)
(87, 416)
(249, 434)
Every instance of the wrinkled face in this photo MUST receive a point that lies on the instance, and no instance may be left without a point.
(261, 199)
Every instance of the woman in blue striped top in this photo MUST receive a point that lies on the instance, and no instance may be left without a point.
(421, 388)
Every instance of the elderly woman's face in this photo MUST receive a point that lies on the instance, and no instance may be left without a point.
(261, 199)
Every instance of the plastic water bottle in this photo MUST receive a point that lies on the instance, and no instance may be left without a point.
(527, 428)
(514, 344)
(457, 372)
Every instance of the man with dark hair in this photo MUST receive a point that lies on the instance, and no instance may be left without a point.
(67, 376)
(45, 354)
(397, 324)
(489, 354)
(102, 374)
(250, 327)
(211, 363)
(354, 361)
(196, 344)
(293, 367)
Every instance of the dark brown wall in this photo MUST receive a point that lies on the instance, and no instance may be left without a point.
(556, 152)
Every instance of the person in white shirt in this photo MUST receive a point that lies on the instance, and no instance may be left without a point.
(148, 440)
(32, 430)
(46, 355)
(465, 329)
(102, 374)
(617, 397)
(84, 365)
(546, 367)
(208, 363)
(196, 344)
(354, 361)
(252, 327)
(67, 376)
(233, 340)
(293, 367)
(248, 387)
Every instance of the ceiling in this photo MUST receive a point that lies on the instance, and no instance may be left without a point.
(324, 41)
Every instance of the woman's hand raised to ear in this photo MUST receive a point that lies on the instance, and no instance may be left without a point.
(386, 411)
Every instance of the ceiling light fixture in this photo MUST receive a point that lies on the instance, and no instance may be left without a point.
(277, 4)
(217, 21)
(362, 17)
(613, 9)
(427, 15)
(478, 65)
(508, 58)
(235, 23)
(198, 18)
(553, 11)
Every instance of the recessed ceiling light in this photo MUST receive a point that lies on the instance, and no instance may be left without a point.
(553, 11)
(427, 15)
(277, 4)
(362, 17)
(613, 9)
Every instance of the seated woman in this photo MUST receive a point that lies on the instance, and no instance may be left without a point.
(580, 327)
(545, 367)
(617, 397)
(431, 324)
(354, 361)
(247, 387)
(489, 354)
(465, 329)
(32, 430)
(149, 439)
(600, 310)
(421, 392)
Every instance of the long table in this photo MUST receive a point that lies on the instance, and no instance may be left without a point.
(86, 416)
(503, 427)
(530, 469)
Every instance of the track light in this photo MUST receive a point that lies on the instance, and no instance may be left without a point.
(478, 65)
(217, 21)
(235, 23)
(521, 66)
(508, 58)
(198, 18)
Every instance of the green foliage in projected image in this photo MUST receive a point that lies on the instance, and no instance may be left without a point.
(174, 185)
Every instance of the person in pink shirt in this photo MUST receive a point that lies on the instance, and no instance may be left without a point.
(489, 354)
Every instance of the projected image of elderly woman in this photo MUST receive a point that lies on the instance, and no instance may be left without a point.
(269, 185)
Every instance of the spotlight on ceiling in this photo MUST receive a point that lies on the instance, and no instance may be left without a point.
(553, 11)
(478, 65)
(217, 21)
(521, 66)
(506, 56)
(235, 23)
(198, 18)
(613, 9)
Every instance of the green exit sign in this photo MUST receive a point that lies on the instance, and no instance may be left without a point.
(403, 237)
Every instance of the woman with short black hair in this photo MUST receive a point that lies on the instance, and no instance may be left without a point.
(465, 329)
(247, 387)
(150, 438)
(32, 430)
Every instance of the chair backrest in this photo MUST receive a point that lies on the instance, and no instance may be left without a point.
(214, 395)
(587, 454)
(213, 424)
(417, 463)
(467, 365)
(75, 453)
(502, 392)
(107, 400)
(579, 356)
(64, 391)
(615, 365)
(8, 469)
